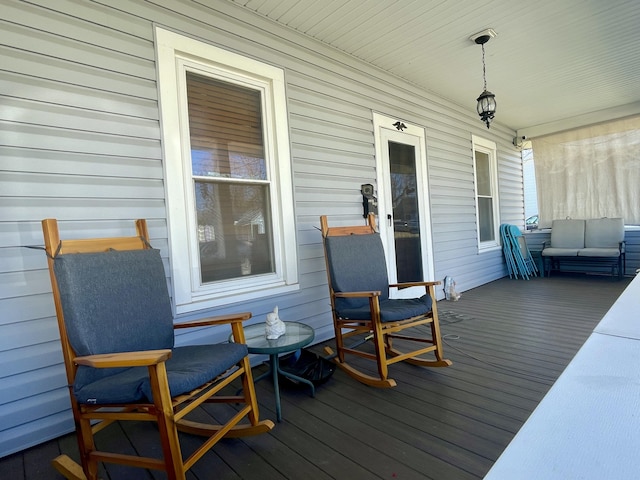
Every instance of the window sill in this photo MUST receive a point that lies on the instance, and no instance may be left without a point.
(202, 302)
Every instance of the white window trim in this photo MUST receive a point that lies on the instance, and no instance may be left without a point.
(175, 54)
(487, 146)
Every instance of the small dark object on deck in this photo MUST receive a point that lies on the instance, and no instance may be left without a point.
(306, 364)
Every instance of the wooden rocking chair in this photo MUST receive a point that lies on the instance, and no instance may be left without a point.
(359, 293)
(116, 328)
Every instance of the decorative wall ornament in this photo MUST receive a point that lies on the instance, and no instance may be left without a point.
(400, 126)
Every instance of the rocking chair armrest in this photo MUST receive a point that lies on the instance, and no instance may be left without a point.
(415, 284)
(124, 359)
(217, 320)
(372, 293)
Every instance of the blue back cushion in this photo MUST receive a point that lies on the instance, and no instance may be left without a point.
(114, 301)
(356, 263)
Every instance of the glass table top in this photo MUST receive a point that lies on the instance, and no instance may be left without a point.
(297, 335)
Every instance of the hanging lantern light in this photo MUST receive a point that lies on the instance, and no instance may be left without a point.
(486, 106)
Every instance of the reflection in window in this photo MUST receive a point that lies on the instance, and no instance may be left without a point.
(485, 200)
(406, 227)
(240, 241)
(231, 180)
(486, 179)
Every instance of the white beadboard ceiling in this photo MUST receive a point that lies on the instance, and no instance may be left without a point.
(554, 65)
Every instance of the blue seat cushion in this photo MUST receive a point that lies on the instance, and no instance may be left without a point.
(188, 368)
(391, 310)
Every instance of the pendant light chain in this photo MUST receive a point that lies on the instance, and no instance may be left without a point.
(484, 69)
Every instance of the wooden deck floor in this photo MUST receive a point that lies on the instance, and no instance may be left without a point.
(508, 340)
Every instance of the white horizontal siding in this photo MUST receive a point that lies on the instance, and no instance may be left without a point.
(53, 46)
(19, 360)
(66, 71)
(18, 159)
(76, 119)
(86, 142)
(72, 95)
(80, 141)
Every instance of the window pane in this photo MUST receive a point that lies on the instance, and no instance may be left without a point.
(483, 174)
(225, 125)
(485, 218)
(402, 165)
(234, 230)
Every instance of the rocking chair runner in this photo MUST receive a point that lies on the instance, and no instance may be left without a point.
(116, 329)
(359, 293)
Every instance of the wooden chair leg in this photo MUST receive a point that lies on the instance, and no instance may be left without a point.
(249, 390)
(68, 468)
(435, 331)
(339, 342)
(379, 342)
(86, 445)
(166, 423)
(439, 353)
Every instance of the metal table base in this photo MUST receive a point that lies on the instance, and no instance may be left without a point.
(274, 371)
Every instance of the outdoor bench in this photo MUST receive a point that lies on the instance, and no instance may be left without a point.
(592, 242)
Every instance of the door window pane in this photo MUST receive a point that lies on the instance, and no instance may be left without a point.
(402, 164)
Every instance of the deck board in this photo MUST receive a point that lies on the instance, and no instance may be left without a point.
(508, 340)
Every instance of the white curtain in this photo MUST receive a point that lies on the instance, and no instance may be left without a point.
(590, 172)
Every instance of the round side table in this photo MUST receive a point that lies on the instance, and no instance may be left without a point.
(296, 336)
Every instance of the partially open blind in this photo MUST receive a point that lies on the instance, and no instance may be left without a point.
(225, 122)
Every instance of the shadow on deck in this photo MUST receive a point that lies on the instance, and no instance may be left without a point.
(508, 340)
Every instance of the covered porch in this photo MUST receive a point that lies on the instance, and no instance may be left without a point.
(509, 340)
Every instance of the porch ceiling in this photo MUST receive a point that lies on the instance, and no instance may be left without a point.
(554, 64)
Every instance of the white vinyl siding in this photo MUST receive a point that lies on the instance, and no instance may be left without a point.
(80, 141)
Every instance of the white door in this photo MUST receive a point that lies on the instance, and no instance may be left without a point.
(403, 202)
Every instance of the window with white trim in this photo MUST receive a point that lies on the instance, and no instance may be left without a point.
(486, 184)
(227, 174)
